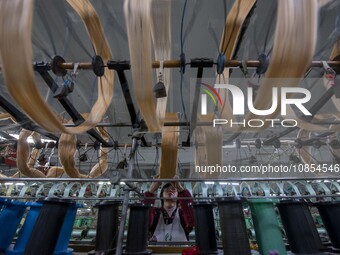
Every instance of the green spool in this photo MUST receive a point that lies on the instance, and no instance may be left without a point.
(318, 220)
(89, 222)
(77, 223)
(83, 222)
(249, 224)
(266, 224)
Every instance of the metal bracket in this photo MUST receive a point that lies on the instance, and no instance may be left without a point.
(23, 120)
(120, 67)
(42, 68)
(199, 63)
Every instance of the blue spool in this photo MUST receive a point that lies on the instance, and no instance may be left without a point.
(66, 231)
(26, 229)
(10, 218)
(3, 201)
(25, 232)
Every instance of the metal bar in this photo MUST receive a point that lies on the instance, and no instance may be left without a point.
(178, 198)
(120, 238)
(23, 120)
(193, 120)
(128, 98)
(119, 67)
(184, 124)
(260, 179)
(235, 179)
(7, 136)
(200, 64)
(177, 63)
(13, 111)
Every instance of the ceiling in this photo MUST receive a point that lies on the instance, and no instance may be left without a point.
(58, 30)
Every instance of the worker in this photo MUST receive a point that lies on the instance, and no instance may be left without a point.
(175, 219)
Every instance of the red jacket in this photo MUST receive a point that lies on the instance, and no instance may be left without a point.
(185, 212)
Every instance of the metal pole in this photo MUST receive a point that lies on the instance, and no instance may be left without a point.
(236, 179)
(126, 197)
(177, 63)
(260, 179)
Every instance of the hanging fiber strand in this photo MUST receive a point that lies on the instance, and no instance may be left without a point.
(25, 161)
(138, 21)
(294, 46)
(67, 149)
(230, 37)
(16, 32)
(209, 141)
(169, 156)
(161, 40)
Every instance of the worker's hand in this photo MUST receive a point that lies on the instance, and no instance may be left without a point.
(177, 184)
(155, 185)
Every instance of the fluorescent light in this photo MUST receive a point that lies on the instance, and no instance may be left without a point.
(8, 183)
(229, 146)
(30, 139)
(122, 183)
(104, 183)
(225, 183)
(209, 182)
(46, 140)
(230, 183)
(20, 184)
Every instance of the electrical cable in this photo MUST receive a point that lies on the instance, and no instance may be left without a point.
(182, 69)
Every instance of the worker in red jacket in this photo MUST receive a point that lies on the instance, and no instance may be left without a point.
(175, 219)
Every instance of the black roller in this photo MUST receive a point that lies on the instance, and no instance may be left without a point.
(329, 212)
(46, 230)
(107, 226)
(98, 66)
(55, 66)
(300, 228)
(137, 236)
(233, 226)
(205, 227)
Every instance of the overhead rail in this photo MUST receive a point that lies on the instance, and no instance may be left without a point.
(130, 189)
(335, 64)
(23, 120)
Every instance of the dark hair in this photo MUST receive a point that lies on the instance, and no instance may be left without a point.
(166, 185)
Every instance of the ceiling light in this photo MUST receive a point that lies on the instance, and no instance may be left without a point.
(224, 183)
(209, 182)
